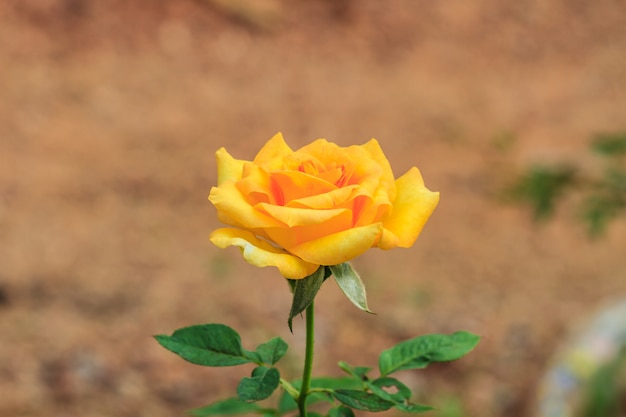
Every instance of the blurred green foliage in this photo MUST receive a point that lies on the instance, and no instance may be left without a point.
(451, 407)
(610, 144)
(541, 186)
(603, 197)
(606, 391)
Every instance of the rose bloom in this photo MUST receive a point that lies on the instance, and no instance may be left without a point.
(320, 205)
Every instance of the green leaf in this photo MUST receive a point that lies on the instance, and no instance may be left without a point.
(252, 356)
(340, 411)
(330, 383)
(419, 352)
(287, 403)
(362, 400)
(260, 386)
(304, 292)
(351, 284)
(206, 344)
(228, 407)
(272, 351)
(414, 408)
(359, 372)
(401, 395)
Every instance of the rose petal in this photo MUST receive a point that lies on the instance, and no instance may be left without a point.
(271, 156)
(288, 237)
(228, 168)
(231, 204)
(325, 152)
(294, 184)
(412, 207)
(332, 199)
(333, 175)
(356, 161)
(301, 216)
(339, 247)
(255, 185)
(371, 208)
(260, 253)
(387, 178)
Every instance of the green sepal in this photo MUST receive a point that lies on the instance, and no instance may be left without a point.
(207, 345)
(292, 282)
(419, 352)
(260, 385)
(351, 284)
(228, 407)
(327, 272)
(304, 292)
(362, 400)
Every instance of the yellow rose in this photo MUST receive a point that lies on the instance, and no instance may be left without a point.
(319, 205)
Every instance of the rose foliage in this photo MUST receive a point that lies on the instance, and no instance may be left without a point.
(319, 205)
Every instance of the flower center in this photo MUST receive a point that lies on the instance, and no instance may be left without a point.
(338, 174)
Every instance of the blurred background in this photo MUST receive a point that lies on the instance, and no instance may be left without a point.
(110, 115)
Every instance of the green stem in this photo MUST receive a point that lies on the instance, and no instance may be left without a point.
(290, 389)
(308, 359)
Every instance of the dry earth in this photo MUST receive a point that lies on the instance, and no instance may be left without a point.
(110, 113)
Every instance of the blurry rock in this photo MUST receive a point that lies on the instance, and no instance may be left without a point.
(256, 14)
(74, 375)
(597, 344)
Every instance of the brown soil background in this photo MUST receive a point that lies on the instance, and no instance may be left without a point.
(110, 114)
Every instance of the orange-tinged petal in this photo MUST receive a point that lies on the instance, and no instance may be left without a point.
(371, 208)
(412, 207)
(353, 161)
(301, 216)
(260, 253)
(332, 199)
(228, 168)
(231, 204)
(295, 184)
(339, 247)
(255, 186)
(289, 237)
(272, 154)
(332, 175)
